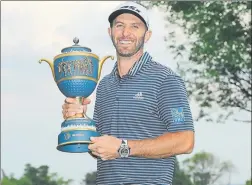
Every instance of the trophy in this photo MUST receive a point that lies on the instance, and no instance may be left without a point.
(76, 72)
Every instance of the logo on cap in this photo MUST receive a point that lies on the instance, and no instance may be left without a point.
(132, 8)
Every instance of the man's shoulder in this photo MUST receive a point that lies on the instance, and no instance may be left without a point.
(163, 70)
(104, 80)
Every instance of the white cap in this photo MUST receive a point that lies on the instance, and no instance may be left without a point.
(133, 8)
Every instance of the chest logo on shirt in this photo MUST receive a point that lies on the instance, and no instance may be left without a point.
(178, 115)
(138, 96)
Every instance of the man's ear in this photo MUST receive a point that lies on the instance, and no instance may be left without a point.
(148, 35)
(109, 31)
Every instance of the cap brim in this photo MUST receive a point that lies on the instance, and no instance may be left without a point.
(121, 11)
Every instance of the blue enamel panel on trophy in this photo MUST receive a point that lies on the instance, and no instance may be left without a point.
(75, 88)
(75, 135)
(74, 148)
(76, 75)
(78, 136)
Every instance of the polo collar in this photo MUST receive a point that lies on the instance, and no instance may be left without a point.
(137, 65)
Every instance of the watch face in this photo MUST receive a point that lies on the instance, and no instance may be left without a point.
(124, 152)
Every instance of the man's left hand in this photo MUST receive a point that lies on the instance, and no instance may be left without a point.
(106, 147)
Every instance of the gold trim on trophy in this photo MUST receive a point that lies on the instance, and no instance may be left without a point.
(70, 118)
(70, 129)
(77, 77)
(101, 64)
(50, 64)
(76, 53)
(74, 142)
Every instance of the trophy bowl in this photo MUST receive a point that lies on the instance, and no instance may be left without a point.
(76, 72)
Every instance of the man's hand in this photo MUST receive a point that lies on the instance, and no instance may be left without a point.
(106, 147)
(72, 107)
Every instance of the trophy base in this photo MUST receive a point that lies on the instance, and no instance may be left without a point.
(74, 148)
(75, 135)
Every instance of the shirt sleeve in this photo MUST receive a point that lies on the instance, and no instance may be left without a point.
(173, 105)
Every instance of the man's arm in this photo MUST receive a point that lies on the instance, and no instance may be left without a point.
(174, 111)
(96, 112)
(164, 146)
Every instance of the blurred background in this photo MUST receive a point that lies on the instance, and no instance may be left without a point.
(207, 43)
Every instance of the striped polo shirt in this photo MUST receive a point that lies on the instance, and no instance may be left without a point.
(147, 102)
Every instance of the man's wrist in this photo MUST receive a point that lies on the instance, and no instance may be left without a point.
(131, 146)
(124, 149)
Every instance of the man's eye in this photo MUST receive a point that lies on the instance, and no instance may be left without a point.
(119, 25)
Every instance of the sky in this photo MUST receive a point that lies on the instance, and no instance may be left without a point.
(31, 102)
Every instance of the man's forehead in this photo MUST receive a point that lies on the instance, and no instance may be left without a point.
(128, 18)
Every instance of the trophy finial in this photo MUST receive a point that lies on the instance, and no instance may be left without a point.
(76, 40)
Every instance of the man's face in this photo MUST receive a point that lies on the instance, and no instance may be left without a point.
(128, 34)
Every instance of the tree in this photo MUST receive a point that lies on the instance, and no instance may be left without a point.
(90, 178)
(180, 177)
(217, 71)
(36, 176)
(248, 182)
(13, 181)
(205, 168)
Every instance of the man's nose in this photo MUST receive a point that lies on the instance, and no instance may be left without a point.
(126, 31)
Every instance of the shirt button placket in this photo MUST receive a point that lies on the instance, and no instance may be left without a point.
(115, 113)
(117, 104)
(118, 92)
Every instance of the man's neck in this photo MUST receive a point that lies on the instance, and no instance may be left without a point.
(125, 63)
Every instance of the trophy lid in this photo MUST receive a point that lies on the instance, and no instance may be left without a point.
(75, 47)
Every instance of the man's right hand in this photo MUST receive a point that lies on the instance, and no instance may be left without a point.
(71, 107)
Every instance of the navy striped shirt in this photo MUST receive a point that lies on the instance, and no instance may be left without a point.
(147, 102)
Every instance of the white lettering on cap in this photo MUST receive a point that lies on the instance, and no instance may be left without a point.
(135, 7)
(131, 8)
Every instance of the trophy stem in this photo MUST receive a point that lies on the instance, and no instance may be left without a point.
(79, 100)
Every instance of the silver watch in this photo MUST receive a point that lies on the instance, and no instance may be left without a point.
(124, 149)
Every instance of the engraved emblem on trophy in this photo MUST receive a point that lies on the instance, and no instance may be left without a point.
(76, 72)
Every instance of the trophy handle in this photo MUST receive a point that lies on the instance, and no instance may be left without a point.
(85, 115)
(50, 64)
(101, 64)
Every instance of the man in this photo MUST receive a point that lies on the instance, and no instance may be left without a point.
(141, 109)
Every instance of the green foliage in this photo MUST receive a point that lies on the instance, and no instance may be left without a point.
(90, 178)
(201, 169)
(205, 168)
(14, 181)
(38, 176)
(180, 177)
(6, 181)
(217, 71)
(249, 182)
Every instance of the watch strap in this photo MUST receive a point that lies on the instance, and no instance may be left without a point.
(124, 142)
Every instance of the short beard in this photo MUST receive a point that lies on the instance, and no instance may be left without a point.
(139, 46)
